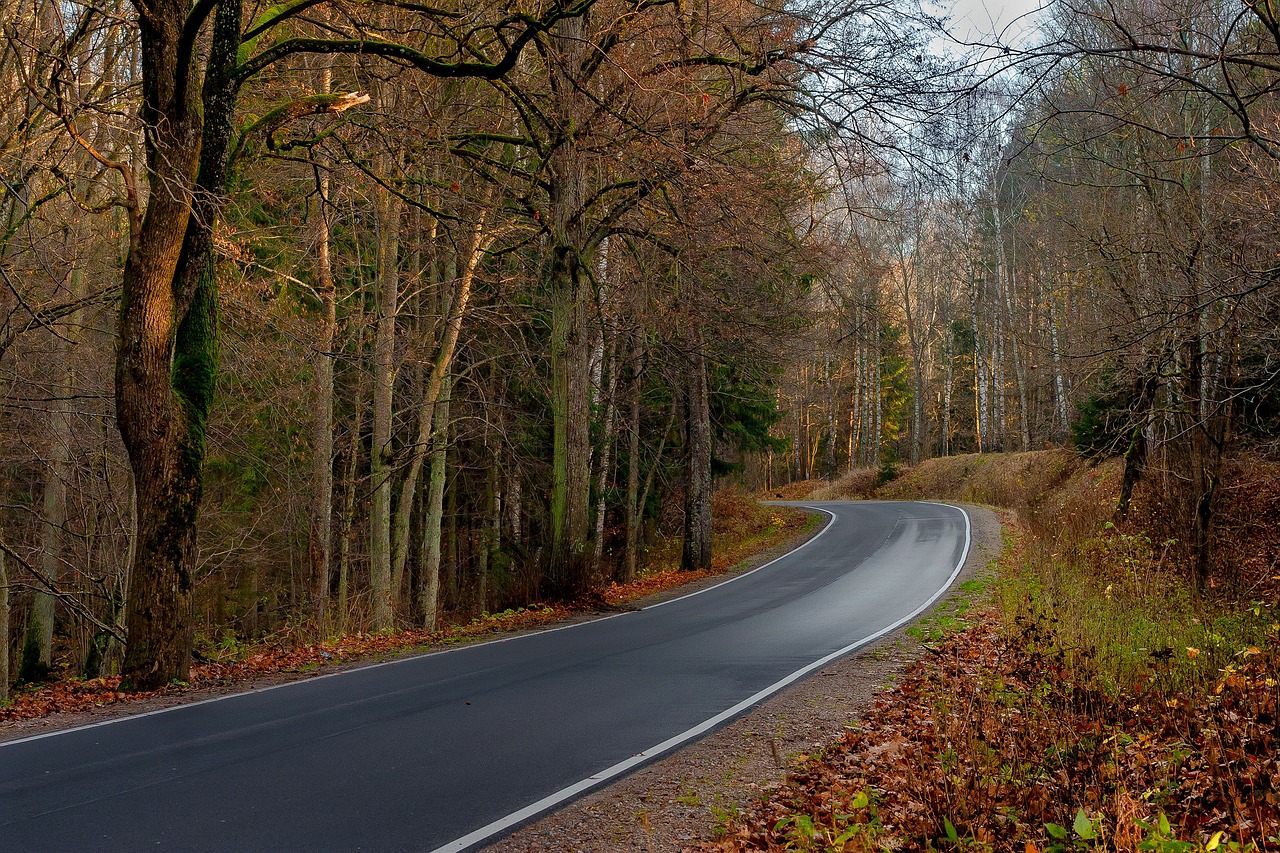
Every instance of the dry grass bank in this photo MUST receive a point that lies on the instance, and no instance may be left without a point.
(1045, 487)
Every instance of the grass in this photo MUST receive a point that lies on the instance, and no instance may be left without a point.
(948, 617)
(1117, 601)
(1124, 618)
(723, 817)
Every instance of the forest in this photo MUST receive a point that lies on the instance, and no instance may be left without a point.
(337, 317)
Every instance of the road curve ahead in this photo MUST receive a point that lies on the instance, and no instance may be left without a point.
(445, 751)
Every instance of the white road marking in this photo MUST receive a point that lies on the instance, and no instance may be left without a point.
(567, 793)
(533, 809)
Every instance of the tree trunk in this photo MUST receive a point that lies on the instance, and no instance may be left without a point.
(571, 292)
(858, 400)
(162, 415)
(1207, 475)
(167, 345)
(320, 530)
(435, 384)
(388, 217)
(449, 550)
(571, 417)
(1019, 367)
(1205, 458)
(488, 533)
(1135, 455)
(4, 625)
(911, 307)
(1059, 380)
(877, 393)
(829, 402)
(853, 423)
(630, 559)
(981, 429)
(697, 515)
(515, 521)
(348, 516)
(610, 380)
(948, 388)
(37, 655)
(997, 422)
(429, 587)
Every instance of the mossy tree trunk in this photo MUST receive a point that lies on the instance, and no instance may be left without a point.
(630, 557)
(568, 280)
(4, 625)
(346, 527)
(320, 526)
(429, 580)
(167, 349)
(571, 426)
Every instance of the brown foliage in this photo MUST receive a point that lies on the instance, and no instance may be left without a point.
(1010, 725)
(999, 739)
(1050, 489)
(277, 654)
(1247, 535)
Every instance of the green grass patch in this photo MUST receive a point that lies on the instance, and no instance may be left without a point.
(949, 617)
(1122, 617)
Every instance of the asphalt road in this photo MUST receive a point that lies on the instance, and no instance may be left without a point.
(444, 751)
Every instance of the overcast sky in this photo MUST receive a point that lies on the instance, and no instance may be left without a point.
(975, 20)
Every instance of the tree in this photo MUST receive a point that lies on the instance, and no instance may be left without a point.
(168, 335)
(1162, 105)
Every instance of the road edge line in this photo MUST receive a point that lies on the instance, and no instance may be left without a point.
(727, 581)
(458, 845)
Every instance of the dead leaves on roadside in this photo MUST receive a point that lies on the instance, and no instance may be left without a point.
(985, 744)
(743, 527)
(277, 654)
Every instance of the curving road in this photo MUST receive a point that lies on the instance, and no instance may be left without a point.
(444, 751)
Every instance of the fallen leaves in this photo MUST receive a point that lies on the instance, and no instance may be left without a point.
(278, 654)
(998, 745)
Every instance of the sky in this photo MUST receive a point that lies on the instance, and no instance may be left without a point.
(975, 20)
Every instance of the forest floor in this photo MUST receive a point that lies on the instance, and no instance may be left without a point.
(747, 534)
